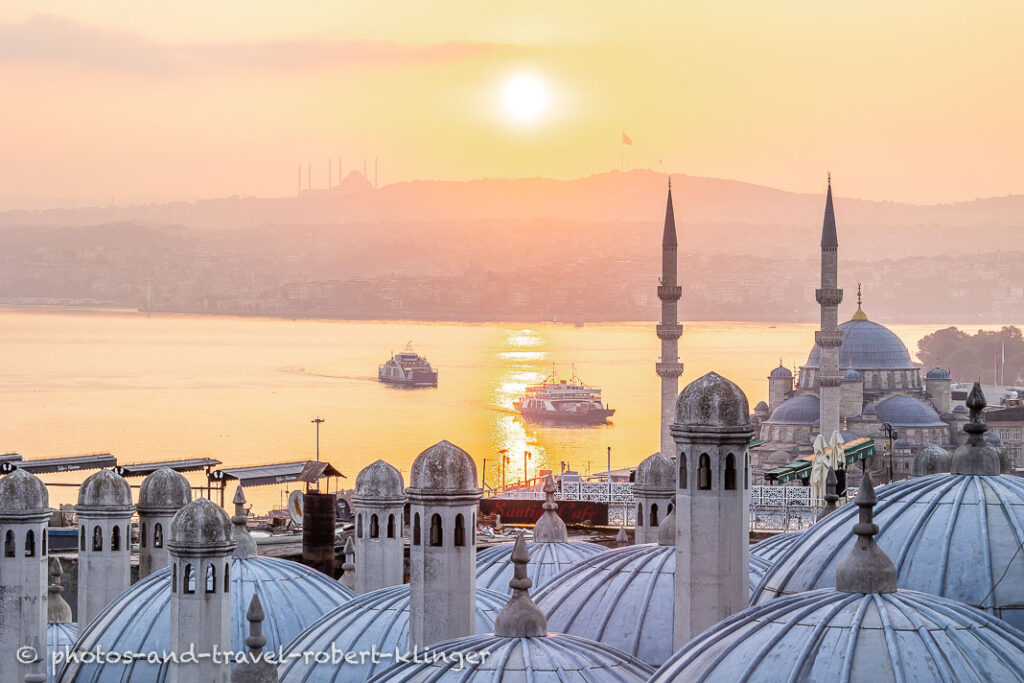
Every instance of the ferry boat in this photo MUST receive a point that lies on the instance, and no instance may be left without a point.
(407, 368)
(564, 402)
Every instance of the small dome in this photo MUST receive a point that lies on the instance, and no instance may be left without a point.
(960, 409)
(937, 373)
(201, 524)
(761, 408)
(852, 375)
(164, 491)
(867, 345)
(712, 401)
(444, 467)
(378, 619)
(906, 411)
(804, 409)
(949, 535)
(22, 492)
(623, 597)
(774, 547)
(293, 595)
(992, 438)
(554, 657)
(779, 458)
(781, 372)
(931, 460)
(901, 444)
(547, 560)
(379, 482)
(104, 491)
(655, 475)
(828, 635)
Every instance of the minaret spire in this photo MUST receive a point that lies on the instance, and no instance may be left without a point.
(669, 330)
(829, 337)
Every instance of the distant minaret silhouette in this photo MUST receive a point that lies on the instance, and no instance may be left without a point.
(829, 337)
(669, 330)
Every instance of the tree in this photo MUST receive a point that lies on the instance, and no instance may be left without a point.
(991, 357)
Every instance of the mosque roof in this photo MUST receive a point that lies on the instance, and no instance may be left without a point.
(547, 560)
(773, 547)
(104, 491)
(293, 596)
(379, 618)
(950, 535)
(164, 490)
(23, 493)
(623, 597)
(804, 409)
(907, 411)
(828, 635)
(867, 346)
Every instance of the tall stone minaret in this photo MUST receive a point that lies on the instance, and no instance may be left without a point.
(104, 553)
(24, 512)
(201, 546)
(161, 495)
(712, 521)
(829, 338)
(669, 330)
(443, 495)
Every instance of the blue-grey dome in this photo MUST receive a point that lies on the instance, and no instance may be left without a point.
(554, 657)
(799, 410)
(906, 411)
(867, 346)
(852, 375)
(931, 460)
(827, 635)
(623, 597)
(937, 373)
(761, 408)
(547, 560)
(949, 535)
(377, 619)
(758, 566)
(293, 597)
(59, 638)
(960, 409)
(781, 372)
(772, 548)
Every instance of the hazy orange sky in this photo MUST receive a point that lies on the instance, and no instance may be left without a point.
(912, 100)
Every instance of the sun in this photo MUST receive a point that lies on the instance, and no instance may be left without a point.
(525, 97)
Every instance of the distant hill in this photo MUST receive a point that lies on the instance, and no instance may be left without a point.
(714, 215)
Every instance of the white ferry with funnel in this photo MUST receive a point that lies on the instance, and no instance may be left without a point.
(407, 368)
(564, 402)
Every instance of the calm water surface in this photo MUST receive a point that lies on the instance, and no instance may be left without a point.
(243, 390)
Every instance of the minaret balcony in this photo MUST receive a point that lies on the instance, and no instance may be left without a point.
(670, 292)
(828, 297)
(828, 338)
(829, 380)
(669, 330)
(669, 369)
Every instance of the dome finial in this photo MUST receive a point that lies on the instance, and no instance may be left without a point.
(550, 528)
(255, 668)
(58, 611)
(621, 539)
(831, 482)
(976, 456)
(348, 568)
(859, 313)
(520, 618)
(866, 568)
(245, 545)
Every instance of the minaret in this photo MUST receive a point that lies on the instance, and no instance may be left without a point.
(712, 434)
(829, 338)
(161, 495)
(669, 330)
(379, 501)
(443, 495)
(104, 553)
(24, 512)
(201, 545)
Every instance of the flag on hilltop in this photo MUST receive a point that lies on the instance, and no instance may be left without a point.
(626, 140)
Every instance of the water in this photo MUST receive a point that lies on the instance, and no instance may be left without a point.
(243, 390)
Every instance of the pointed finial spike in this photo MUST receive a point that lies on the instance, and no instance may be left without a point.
(255, 611)
(977, 456)
(245, 545)
(621, 538)
(830, 178)
(56, 571)
(865, 568)
(239, 498)
(520, 618)
(550, 528)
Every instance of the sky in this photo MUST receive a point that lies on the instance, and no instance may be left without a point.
(137, 101)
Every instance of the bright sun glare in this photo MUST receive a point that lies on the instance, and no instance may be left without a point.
(525, 97)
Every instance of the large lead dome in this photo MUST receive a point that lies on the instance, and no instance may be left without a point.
(867, 346)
